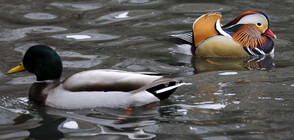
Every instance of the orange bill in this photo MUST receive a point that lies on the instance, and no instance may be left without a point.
(270, 33)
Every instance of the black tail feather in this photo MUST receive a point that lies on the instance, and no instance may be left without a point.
(165, 94)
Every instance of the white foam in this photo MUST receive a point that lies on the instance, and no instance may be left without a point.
(228, 73)
(71, 125)
(122, 15)
(78, 37)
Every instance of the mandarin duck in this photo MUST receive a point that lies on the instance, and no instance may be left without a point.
(246, 35)
(92, 88)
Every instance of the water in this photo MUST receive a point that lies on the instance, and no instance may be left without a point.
(246, 98)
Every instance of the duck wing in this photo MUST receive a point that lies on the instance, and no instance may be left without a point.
(107, 80)
(204, 27)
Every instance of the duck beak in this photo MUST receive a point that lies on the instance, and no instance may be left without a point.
(18, 68)
(270, 33)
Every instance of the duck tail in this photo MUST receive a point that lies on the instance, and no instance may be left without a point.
(182, 38)
(164, 90)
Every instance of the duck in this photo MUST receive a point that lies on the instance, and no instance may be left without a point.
(92, 88)
(246, 35)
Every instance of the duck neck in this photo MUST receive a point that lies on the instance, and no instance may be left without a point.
(37, 94)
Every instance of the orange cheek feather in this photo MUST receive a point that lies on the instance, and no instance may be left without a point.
(249, 36)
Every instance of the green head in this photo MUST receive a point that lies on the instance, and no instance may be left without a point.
(41, 60)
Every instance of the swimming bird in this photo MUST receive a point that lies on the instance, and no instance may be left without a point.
(247, 35)
(92, 88)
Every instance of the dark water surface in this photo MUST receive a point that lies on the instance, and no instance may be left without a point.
(229, 99)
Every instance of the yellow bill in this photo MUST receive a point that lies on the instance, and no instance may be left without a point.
(18, 68)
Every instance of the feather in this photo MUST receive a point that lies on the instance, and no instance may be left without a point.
(187, 37)
(247, 36)
(204, 27)
(233, 22)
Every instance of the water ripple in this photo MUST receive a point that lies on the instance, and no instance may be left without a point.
(216, 106)
(23, 48)
(71, 125)
(199, 8)
(135, 65)
(78, 37)
(107, 125)
(77, 6)
(228, 73)
(22, 80)
(138, 2)
(40, 16)
(86, 36)
(10, 35)
(87, 61)
(123, 15)
(43, 29)
(15, 105)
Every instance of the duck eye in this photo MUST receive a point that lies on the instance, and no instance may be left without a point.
(258, 24)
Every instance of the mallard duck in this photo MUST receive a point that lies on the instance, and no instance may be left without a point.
(246, 35)
(92, 88)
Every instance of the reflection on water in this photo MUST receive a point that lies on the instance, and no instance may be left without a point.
(242, 98)
(83, 123)
(221, 64)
